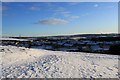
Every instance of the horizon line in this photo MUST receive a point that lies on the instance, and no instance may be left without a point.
(59, 35)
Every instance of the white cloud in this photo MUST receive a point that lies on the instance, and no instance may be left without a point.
(65, 13)
(52, 21)
(96, 5)
(75, 17)
(86, 14)
(59, 9)
(34, 8)
(62, 11)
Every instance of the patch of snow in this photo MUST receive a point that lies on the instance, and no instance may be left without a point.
(13, 39)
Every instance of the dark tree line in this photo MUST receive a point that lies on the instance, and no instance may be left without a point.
(106, 39)
(114, 49)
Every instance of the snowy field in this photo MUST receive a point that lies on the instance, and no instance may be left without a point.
(37, 63)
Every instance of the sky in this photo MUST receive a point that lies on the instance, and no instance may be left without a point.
(58, 18)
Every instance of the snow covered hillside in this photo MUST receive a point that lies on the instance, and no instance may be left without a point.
(31, 63)
(13, 39)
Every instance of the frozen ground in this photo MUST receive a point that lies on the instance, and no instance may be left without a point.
(37, 63)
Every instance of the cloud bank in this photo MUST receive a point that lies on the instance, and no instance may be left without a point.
(52, 21)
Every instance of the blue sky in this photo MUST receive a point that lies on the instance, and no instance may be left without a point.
(58, 18)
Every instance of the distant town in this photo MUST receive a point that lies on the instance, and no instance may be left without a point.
(94, 43)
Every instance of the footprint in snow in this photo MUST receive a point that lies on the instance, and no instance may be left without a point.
(2, 50)
(109, 68)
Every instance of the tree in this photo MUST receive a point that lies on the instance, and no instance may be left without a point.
(115, 49)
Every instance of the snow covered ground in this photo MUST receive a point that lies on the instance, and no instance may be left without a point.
(37, 63)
